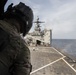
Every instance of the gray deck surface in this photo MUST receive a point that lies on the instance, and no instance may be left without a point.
(47, 61)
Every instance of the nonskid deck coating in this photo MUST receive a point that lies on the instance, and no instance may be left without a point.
(49, 61)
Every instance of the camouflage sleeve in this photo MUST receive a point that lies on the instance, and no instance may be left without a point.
(22, 65)
(3, 39)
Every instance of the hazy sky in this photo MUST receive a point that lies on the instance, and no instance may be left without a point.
(59, 15)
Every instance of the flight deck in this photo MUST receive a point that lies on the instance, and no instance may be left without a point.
(49, 61)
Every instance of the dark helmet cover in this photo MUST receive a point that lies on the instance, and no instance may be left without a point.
(24, 13)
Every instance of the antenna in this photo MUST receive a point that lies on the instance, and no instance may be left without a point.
(38, 22)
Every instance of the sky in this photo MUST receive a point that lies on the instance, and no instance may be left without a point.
(58, 15)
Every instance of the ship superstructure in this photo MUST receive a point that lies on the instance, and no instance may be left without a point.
(39, 36)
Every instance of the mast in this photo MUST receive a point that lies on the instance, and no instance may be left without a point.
(37, 27)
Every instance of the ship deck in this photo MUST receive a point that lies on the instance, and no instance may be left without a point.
(49, 61)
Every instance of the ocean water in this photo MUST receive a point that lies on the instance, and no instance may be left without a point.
(66, 46)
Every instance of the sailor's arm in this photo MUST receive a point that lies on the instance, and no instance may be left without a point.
(22, 64)
(3, 39)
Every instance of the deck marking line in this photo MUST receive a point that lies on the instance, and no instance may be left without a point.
(47, 65)
(69, 65)
(58, 51)
(65, 60)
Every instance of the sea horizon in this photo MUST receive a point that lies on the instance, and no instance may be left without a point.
(66, 46)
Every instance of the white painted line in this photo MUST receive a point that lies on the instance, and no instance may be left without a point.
(58, 51)
(47, 65)
(64, 59)
(69, 65)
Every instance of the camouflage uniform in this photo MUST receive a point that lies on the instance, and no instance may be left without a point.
(15, 55)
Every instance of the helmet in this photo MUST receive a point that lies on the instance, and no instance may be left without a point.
(22, 12)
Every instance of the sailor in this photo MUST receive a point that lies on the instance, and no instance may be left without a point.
(14, 53)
